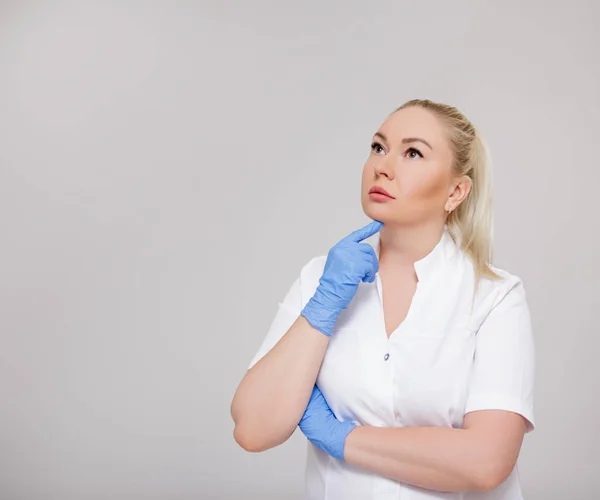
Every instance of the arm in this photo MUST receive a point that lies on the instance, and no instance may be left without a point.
(477, 457)
(273, 394)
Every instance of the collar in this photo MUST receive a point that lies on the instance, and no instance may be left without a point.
(427, 266)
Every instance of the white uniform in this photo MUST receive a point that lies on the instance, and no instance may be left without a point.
(444, 360)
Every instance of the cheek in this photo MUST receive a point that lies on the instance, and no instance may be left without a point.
(423, 187)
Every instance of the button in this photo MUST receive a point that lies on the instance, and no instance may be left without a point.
(386, 357)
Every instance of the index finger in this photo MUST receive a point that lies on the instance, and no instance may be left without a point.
(365, 232)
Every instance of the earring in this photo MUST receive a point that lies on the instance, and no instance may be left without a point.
(449, 210)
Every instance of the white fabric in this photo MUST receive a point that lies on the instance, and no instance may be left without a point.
(451, 355)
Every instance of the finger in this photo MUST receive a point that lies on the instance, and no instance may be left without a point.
(366, 248)
(364, 232)
(375, 269)
(373, 261)
(370, 266)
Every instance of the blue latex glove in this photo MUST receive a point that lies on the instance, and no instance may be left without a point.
(322, 428)
(348, 263)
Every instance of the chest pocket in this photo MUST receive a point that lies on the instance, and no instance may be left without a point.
(431, 377)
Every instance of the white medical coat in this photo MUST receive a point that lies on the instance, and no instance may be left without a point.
(448, 357)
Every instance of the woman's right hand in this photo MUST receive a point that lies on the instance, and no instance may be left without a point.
(348, 263)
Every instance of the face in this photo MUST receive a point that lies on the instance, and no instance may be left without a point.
(411, 159)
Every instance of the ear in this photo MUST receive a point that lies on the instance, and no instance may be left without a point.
(459, 190)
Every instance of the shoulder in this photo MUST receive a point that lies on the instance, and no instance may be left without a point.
(489, 292)
(508, 290)
(499, 288)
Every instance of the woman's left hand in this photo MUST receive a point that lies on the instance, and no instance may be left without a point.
(322, 428)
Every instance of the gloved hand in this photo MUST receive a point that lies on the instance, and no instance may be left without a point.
(322, 428)
(348, 263)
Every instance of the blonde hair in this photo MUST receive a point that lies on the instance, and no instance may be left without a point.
(471, 223)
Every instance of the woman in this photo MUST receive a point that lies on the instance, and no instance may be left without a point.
(407, 363)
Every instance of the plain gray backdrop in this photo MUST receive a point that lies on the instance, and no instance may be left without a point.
(166, 168)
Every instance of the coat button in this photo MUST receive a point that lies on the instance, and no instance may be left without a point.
(386, 357)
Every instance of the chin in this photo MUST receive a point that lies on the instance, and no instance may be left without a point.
(377, 211)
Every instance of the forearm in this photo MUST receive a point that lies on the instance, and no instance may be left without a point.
(272, 396)
(435, 458)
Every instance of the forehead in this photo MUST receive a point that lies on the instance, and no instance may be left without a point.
(415, 122)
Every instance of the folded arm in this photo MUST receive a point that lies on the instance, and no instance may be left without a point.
(479, 456)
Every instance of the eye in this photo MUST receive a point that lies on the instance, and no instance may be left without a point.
(411, 151)
(375, 146)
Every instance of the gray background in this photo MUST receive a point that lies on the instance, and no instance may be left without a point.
(166, 168)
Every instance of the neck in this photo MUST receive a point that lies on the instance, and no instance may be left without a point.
(401, 246)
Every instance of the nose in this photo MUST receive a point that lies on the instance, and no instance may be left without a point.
(385, 166)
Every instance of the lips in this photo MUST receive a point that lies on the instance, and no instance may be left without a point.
(380, 190)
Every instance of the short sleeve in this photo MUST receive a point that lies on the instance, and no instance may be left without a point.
(504, 361)
(288, 311)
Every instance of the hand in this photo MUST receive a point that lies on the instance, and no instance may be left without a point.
(348, 263)
(322, 428)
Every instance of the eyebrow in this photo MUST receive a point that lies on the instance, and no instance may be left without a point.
(407, 140)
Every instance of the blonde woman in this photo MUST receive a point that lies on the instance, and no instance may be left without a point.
(408, 363)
